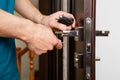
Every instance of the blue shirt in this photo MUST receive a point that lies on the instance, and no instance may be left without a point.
(8, 65)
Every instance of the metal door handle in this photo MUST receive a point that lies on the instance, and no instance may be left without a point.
(97, 59)
(102, 33)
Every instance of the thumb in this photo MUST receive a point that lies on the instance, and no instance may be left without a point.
(59, 45)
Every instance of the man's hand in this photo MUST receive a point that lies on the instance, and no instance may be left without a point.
(51, 21)
(41, 39)
(30, 12)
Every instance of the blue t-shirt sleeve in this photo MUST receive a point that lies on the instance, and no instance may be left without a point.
(8, 64)
(7, 5)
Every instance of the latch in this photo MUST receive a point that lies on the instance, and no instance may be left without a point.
(78, 60)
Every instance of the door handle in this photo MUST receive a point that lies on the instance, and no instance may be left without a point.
(97, 59)
(102, 33)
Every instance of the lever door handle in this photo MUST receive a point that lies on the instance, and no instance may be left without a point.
(97, 59)
(102, 33)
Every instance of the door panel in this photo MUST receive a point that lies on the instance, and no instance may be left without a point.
(85, 16)
(76, 61)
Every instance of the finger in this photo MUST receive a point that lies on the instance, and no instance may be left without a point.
(63, 27)
(59, 45)
(59, 26)
(44, 51)
(65, 13)
(40, 51)
(50, 47)
(74, 23)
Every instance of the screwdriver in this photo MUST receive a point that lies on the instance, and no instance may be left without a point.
(65, 20)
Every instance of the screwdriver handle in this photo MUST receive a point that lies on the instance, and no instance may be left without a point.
(66, 20)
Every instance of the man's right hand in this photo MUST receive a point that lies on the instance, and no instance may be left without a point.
(41, 39)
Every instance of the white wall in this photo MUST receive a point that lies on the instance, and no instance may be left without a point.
(108, 48)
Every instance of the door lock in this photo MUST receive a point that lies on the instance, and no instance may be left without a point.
(78, 60)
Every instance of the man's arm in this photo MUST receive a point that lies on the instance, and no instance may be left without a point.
(27, 10)
(38, 38)
(12, 26)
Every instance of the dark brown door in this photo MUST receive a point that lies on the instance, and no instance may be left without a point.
(85, 48)
(81, 51)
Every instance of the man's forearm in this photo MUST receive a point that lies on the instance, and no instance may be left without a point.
(27, 10)
(12, 26)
